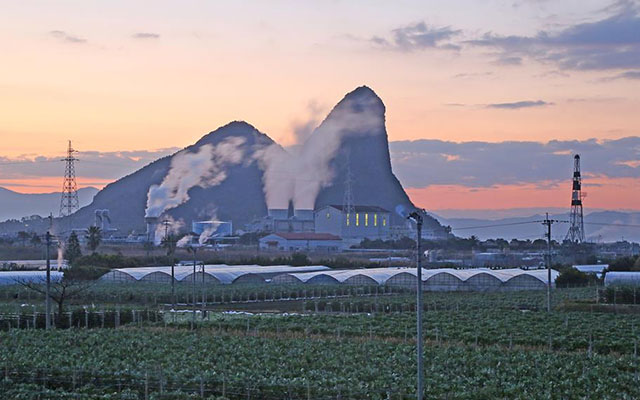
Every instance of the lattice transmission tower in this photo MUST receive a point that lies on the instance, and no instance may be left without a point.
(576, 219)
(69, 202)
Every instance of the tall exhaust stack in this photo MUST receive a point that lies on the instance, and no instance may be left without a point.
(152, 224)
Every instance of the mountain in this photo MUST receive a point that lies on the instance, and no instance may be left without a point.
(351, 141)
(17, 205)
(238, 198)
(600, 226)
(363, 152)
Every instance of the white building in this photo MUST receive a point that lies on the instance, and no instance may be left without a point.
(281, 220)
(370, 222)
(301, 241)
(213, 229)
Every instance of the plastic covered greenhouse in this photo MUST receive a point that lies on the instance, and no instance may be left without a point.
(13, 277)
(443, 279)
(622, 278)
(214, 274)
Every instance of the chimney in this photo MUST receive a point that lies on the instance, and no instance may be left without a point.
(152, 223)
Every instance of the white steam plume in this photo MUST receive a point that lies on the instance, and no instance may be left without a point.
(172, 227)
(205, 235)
(301, 173)
(60, 254)
(204, 168)
(184, 242)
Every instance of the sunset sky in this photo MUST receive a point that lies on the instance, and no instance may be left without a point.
(486, 100)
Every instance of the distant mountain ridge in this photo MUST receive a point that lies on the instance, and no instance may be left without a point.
(15, 205)
(600, 226)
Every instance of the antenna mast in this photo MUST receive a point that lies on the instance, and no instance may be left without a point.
(576, 219)
(69, 202)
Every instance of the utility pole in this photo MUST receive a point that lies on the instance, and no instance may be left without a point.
(194, 249)
(169, 245)
(416, 216)
(548, 222)
(48, 299)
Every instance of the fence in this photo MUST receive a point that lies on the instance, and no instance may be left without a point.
(79, 318)
(154, 384)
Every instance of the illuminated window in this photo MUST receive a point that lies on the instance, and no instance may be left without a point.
(375, 219)
(366, 219)
(384, 222)
(328, 215)
(347, 219)
(357, 219)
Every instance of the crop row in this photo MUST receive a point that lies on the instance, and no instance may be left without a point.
(374, 369)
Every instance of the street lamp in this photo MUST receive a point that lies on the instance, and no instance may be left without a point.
(193, 248)
(416, 216)
(48, 289)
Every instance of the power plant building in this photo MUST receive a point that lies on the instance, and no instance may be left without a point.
(369, 222)
(282, 220)
(213, 229)
(301, 241)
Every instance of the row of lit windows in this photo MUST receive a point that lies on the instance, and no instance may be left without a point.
(366, 219)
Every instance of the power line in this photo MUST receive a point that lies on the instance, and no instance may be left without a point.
(621, 225)
(495, 225)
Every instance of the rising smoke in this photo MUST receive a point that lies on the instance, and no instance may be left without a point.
(300, 173)
(204, 168)
(168, 226)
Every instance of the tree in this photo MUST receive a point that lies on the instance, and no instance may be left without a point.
(573, 277)
(60, 291)
(73, 251)
(23, 236)
(35, 240)
(94, 237)
(169, 244)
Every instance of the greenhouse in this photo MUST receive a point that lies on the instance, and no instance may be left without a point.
(622, 278)
(13, 277)
(213, 274)
(443, 279)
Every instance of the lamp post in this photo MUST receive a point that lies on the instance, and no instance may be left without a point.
(48, 289)
(193, 248)
(170, 246)
(416, 217)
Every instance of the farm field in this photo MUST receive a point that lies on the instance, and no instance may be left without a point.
(359, 344)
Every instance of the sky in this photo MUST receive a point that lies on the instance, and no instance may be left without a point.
(486, 100)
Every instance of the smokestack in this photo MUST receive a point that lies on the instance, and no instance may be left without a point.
(152, 224)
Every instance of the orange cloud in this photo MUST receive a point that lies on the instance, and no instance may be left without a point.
(616, 193)
(49, 184)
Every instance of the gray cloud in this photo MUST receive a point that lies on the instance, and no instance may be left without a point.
(93, 164)
(519, 104)
(65, 37)
(421, 163)
(419, 36)
(624, 75)
(610, 43)
(145, 35)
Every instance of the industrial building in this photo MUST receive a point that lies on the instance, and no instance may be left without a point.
(301, 241)
(370, 222)
(213, 229)
(284, 220)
